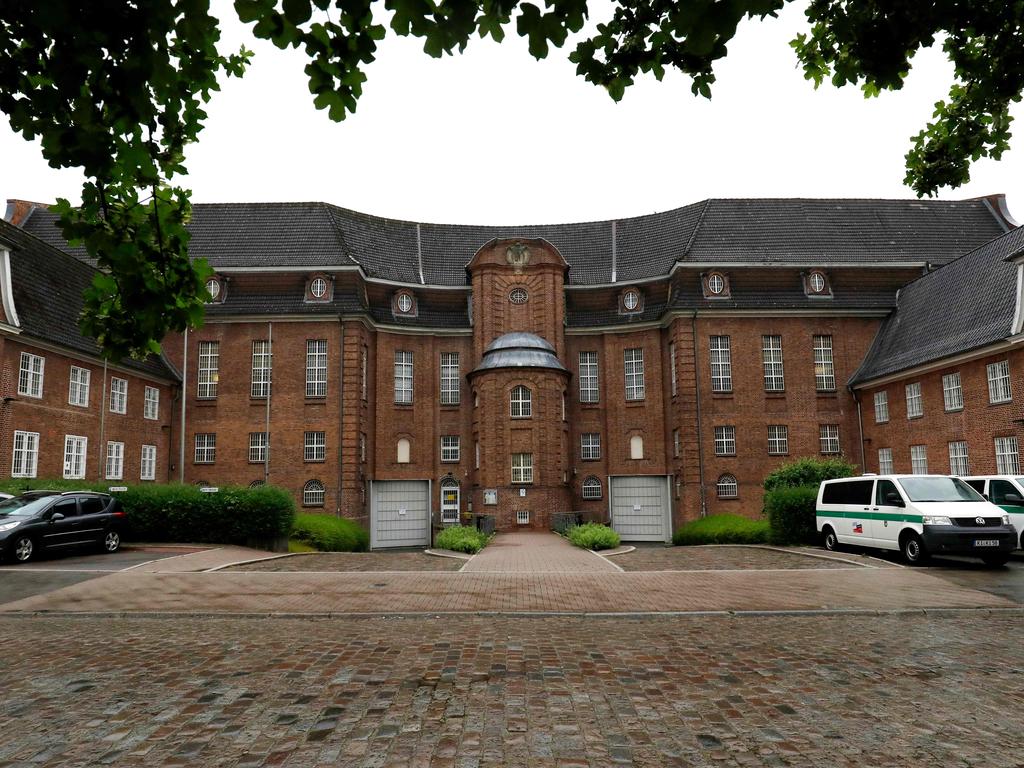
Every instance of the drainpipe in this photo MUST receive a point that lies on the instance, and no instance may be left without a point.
(184, 399)
(341, 416)
(860, 426)
(103, 423)
(270, 387)
(700, 426)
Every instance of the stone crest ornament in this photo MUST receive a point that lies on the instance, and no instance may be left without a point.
(518, 256)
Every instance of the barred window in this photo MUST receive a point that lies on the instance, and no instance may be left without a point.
(824, 367)
(30, 375)
(261, 368)
(209, 363)
(206, 447)
(74, 457)
(919, 459)
(362, 372)
(451, 449)
(672, 365)
(881, 407)
(403, 377)
(118, 395)
(588, 377)
(314, 446)
(151, 403)
(316, 367)
(521, 403)
(115, 461)
(257, 447)
(915, 405)
(591, 488)
(25, 455)
(634, 368)
(999, 382)
(828, 434)
(771, 353)
(721, 364)
(590, 446)
(725, 441)
(958, 462)
(313, 494)
(778, 439)
(1007, 458)
(522, 467)
(885, 461)
(147, 469)
(727, 487)
(952, 392)
(449, 378)
(78, 386)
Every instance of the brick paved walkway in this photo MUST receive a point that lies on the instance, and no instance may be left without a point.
(203, 560)
(356, 561)
(821, 692)
(715, 558)
(535, 553)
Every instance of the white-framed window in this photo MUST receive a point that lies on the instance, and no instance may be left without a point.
(1007, 458)
(404, 303)
(362, 371)
(677, 445)
(118, 395)
(919, 459)
(881, 407)
(257, 447)
(672, 366)
(721, 364)
(522, 517)
(313, 494)
(314, 446)
(716, 283)
(403, 377)
(727, 487)
(633, 360)
(30, 375)
(115, 461)
(450, 378)
(771, 357)
(591, 488)
(25, 456)
(824, 364)
(75, 448)
(316, 367)
(261, 367)
(590, 446)
(952, 392)
(520, 402)
(206, 447)
(630, 300)
(725, 441)
(318, 288)
(151, 403)
(999, 383)
(147, 469)
(588, 377)
(451, 449)
(885, 461)
(209, 369)
(915, 405)
(958, 461)
(828, 435)
(778, 439)
(78, 386)
(522, 467)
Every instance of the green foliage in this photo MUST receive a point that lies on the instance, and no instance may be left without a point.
(790, 512)
(593, 536)
(300, 547)
(809, 470)
(461, 538)
(722, 529)
(328, 533)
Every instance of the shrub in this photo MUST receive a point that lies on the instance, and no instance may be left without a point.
(809, 470)
(328, 533)
(790, 514)
(461, 538)
(593, 536)
(722, 529)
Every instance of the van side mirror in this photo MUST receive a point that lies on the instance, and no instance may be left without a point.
(1012, 498)
(893, 499)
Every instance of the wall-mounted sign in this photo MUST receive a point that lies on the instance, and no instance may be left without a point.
(490, 496)
(209, 489)
(117, 488)
(522, 491)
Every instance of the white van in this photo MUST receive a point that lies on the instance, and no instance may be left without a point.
(1007, 493)
(919, 515)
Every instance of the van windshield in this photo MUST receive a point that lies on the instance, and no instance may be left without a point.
(939, 489)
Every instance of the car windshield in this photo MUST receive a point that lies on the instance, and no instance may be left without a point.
(939, 489)
(21, 506)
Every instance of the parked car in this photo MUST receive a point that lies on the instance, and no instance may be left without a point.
(6, 496)
(1007, 493)
(39, 521)
(918, 515)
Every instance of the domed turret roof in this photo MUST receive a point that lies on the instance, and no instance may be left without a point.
(519, 350)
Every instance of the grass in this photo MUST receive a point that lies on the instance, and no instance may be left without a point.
(593, 536)
(462, 538)
(300, 547)
(723, 529)
(326, 533)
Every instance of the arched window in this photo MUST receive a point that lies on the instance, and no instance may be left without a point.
(521, 403)
(318, 288)
(313, 494)
(591, 488)
(403, 451)
(636, 447)
(727, 487)
(256, 484)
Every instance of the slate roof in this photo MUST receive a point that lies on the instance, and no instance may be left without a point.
(748, 231)
(48, 285)
(962, 306)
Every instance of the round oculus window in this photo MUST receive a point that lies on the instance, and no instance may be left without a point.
(405, 302)
(716, 283)
(631, 300)
(518, 295)
(817, 282)
(318, 288)
(213, 288)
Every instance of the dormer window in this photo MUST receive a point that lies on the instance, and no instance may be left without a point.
(816, 284)
(716, 286)
(215, 287)
(631, 300)
(405, 304)
(318, 288)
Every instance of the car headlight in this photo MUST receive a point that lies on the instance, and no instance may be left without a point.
(1006, 519)
(933, 520)
(9, 526)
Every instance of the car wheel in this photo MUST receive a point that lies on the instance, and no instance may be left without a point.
(830, 541)
(111, 542)
(996, 561)
(24, 549)
(913, 549)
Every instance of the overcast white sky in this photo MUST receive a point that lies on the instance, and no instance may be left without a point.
(493, 136)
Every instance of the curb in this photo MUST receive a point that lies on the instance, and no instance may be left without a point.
(255, 560)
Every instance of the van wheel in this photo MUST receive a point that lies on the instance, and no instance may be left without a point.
(830, 541)
(995, 561)
(913, 549)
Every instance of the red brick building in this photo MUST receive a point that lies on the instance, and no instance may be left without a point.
(644, 371)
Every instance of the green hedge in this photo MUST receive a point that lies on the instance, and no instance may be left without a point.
(791, 513)
(593, 536)
(722, 529)
(328, 533)
(461, 538)
(182, 513)
(809, 470)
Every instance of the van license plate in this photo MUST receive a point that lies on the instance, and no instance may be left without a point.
(986, 542)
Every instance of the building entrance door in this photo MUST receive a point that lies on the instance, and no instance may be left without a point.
(449, 502)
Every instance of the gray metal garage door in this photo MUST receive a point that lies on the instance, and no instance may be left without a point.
(399, 513)
(639, 507)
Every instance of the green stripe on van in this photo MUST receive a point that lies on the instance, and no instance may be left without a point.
(899, 517)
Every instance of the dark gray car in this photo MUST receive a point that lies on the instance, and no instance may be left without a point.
(55, 521)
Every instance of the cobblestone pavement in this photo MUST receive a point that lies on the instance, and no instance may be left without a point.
(880, 691)
(355, 561)
(658, 557)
